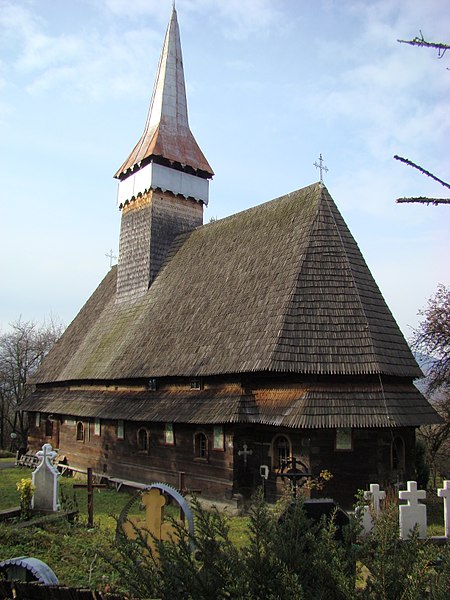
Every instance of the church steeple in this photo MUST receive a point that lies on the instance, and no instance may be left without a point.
(167, 140)
(164, 183)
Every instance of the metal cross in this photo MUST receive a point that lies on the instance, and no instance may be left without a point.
(321, 167)
(245, 452)
(111, 258)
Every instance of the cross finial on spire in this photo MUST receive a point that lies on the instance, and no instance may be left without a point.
(321, 167)
(111, 258)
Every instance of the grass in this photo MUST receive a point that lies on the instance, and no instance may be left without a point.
(75, 553)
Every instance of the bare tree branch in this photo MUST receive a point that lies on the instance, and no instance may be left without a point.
(420, 41)
(422, 170)
(423, 200)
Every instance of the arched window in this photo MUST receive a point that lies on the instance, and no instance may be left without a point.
(398, 454)
(80, 432)
(281, 451)
(201, 445)
(142, 440)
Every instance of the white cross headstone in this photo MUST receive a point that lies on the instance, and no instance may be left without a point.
(374, 496)
(412, 514)
(444, 493)
(45, 480)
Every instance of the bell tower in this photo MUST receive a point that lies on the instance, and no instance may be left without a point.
(164, 182)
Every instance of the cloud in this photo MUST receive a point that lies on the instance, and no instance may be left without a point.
(237, 19)
(90, 63)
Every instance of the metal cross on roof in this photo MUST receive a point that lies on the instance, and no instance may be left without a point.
(321, 167)
(111, 258)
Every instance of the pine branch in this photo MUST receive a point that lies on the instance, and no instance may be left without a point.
(422, 170)
(422, 200)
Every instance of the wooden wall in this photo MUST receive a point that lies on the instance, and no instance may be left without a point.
(226, 472)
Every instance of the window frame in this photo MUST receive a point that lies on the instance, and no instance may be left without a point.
(143, 448)
(201, 450)
(218, 438)
(276, 461)
(343, 439)
(169, 435)
(80, 437)
(120, 429)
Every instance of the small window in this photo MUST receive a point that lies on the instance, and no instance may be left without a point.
(80, 432)
(281, 451)
(218, 443)
(97, 427)
(37, 419)
(120, 430)
(152, 385)
(169, 438)
(48, 427)
(344, 438)
(196, 383)
(142, 440)
(201, 446)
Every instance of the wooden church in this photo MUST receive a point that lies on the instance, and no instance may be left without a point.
(213, 350)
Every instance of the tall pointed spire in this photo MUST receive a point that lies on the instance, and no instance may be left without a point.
(167, 138)
(164, 183)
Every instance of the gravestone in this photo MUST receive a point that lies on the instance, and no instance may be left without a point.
(374, 496)
(45, 481)
(152, 526)
(413, 514)
(444, 493)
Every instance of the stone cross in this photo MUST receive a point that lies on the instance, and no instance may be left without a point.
(374, 496)
(412, 514)
(321, 168)
(245, 452)
(444, 493)
(45, 481)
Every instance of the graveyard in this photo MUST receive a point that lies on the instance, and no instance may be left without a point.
(73, 528)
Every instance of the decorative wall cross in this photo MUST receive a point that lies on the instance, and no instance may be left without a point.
(444, 493)
(245, 452)
(321, 167)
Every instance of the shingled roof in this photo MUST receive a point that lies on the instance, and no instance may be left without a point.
(308, 406)
(281, 287)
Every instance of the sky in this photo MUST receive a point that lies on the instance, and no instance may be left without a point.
(271, 85)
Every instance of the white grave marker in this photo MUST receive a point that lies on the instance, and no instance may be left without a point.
(45, 480)
(444, 493)
(413, 513)
(374, 496)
